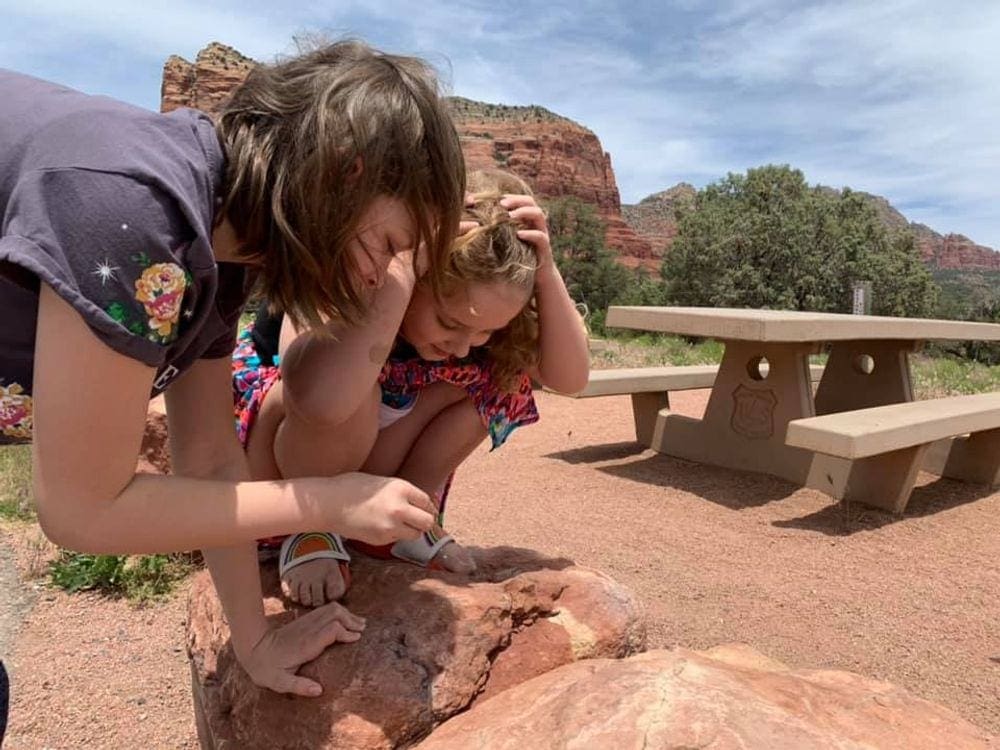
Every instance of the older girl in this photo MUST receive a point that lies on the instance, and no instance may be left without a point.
(127, 241)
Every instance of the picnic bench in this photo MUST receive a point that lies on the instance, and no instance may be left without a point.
(864, 398)
(873, 455)
(650, 389)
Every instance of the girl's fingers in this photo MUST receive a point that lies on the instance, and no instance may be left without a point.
(533, 216)
(344, 616)
(534, 237)
(466, 226)
(418, 519)
(292, 683)
(512, 201)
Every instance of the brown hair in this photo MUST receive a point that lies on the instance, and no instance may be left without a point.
(493, 253)
(295, 134)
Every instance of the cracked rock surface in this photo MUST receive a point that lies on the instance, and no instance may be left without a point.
(728, 698)
(435, 645)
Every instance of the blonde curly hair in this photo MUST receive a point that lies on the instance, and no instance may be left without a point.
(493, 253)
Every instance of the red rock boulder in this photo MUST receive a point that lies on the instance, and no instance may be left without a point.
(729, 698)
(435, 644)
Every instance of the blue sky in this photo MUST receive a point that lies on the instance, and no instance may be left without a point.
(895, 97)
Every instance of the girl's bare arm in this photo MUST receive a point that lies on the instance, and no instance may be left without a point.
(202, 446)
(564, 356)
(327, 374)
(89, 414)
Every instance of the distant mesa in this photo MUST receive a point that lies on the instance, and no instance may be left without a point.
(654, 218)
(557, 157)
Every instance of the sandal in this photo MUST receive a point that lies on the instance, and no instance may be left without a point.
(419, 551)
(315, 545)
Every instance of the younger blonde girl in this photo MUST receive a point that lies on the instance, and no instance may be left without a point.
(461, 369)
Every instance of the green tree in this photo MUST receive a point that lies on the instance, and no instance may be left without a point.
(592, 275)
(768, 239)
(642, 290)
(984, 351)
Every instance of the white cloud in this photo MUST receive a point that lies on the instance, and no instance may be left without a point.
(895, 97)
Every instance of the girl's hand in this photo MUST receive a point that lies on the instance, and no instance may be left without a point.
(383, 510)
(525, 210)
(276, 658)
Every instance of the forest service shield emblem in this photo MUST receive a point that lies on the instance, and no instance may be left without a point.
(753, 412)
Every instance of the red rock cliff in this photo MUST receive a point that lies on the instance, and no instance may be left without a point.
(216, 71)
(654, 217)
(556, 156)
(954, 251)
(950, 251)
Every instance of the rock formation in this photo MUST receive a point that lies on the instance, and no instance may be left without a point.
(655, 217)
(555, 155)
(954, 251)
(949, 251)
(435, 644)
(204, 84)
(727, 698)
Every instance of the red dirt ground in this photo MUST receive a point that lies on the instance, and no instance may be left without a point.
(716, 555)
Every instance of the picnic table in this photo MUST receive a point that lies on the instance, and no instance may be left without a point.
(763, 414)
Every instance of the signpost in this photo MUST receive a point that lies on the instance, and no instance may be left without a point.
(861, 302)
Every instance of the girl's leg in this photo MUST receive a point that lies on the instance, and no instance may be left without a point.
(284, 445)
(443, 444)
(396, 441)
(281, 445)
(426, 446)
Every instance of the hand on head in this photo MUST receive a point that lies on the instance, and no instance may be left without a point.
(524, 210)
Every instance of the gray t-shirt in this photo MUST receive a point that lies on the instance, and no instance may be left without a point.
(112, 206)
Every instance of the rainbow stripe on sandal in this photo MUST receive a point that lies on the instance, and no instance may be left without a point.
(314, 545)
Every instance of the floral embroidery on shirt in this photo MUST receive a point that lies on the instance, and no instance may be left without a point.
(15, 412)
(160, 289)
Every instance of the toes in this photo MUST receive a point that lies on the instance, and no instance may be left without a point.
(305, 594)
(314, 583)
(456, 558)
(336, 587)
(316, 596)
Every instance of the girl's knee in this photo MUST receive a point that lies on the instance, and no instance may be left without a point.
(303, 448)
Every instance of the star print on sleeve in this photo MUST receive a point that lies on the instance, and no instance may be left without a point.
(106, 272)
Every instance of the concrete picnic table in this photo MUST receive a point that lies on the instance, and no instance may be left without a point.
(750, 406)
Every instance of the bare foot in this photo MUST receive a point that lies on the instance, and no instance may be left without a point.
(314, 583)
